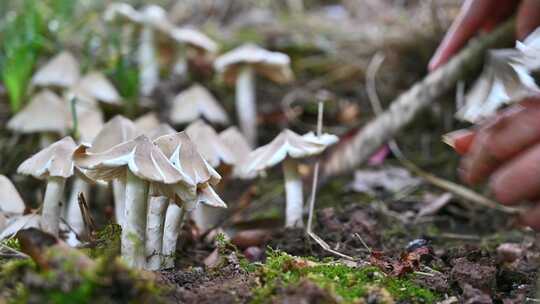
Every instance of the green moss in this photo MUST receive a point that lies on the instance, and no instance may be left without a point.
(347, 284)
(107, 242)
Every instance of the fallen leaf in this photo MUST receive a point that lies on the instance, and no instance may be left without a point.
(389, 179)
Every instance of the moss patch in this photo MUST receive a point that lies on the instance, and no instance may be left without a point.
(346, 284)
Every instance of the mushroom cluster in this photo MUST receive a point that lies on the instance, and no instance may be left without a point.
(159, 176)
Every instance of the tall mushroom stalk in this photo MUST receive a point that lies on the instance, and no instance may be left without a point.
(239, 66)
(55, 164)
(184, 155)
(142, 164)
(288, 147)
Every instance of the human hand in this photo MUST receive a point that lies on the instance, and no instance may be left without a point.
(506, 150)
(478, 15)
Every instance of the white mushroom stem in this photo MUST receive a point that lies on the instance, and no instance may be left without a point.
(157, 207)
(73, 214)
(174, 219)
(52, 204)
(119, 194)
(245, 104)
(148, 65)
(134, 228)
(207, 217)
(293, 191)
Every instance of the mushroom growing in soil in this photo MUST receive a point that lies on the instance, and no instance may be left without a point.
(55, 164)
(208, 143)
(201, 45)
(288, 147)
(61, 71)
(96, 86)
(197, 102)
(239, 66)
(238, 145)
(184, 155)
(142, 164)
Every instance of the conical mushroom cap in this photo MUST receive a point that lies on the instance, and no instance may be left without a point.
(209, 144)
(139, 155)
(287, 144)
(147, 123)
(238, 145)
(156, 16)
(55, 160)
(183, 154)
(122, 10)
(13, 226)
(10, 200)
(96, 85)
(194, 39)
(116, 131)
(196, 102)
(208, 196)
(273, 65)
(161, 130)
(46, 112)
(90, 119)
(61, 71)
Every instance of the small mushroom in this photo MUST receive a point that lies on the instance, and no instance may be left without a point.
(55, 164)
(147, 123)
(197, 102)
(184, 156)
(11, 202)
(288, 147)
(240, 66)
(238, 145)
(208, 143)
(61, 71)
(96, 86)
(142, 164)
(196, 41)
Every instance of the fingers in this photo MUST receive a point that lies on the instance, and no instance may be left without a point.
(511, 132)
(519, 179)
(528, 18)
(460, 140)
(470, 19)
(474, 15)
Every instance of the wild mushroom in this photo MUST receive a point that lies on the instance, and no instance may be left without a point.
(55, 164)
(201, 44)
(33, 118)
(11, 202)
(95, 85)
(116, 131)
(197, 102)
(146, 123)
(209, 144)
(149, 18)
(288, 147)
(61, 71)
(240, 66)
(142, 164)
(184, 156)
(238, 145)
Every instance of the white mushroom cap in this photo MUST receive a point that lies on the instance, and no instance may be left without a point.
(96, 85)
(46, 112)
(287, 144)
(156, 16)
(90, 119)
(116, 131)
(196, 102)
(151, 14)
(161, 130)
(13, 226)
(208, 196)
(61, 71)
(273, 65)
(147, 123)
(184, 155)
(121, 9)
(55, 160)
(530, 50)
(503, 81)
(10, 200)
(238, 145)
(194, 39)
(209, 144)
(144, 159)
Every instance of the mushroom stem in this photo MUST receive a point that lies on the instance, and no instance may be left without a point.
(119, 194)
(245, 104)
(148, 65)
(207, 217)
(134, 228)
(174, 219)
(52, 204)
(293, 191)
(73, 214)
(157, 207)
